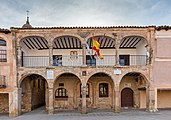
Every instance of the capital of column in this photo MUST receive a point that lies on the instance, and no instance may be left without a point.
(18, 47)
(83, 45)
(83, 34)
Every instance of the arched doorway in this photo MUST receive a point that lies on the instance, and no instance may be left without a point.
(66, 92)
(101, 94)
(34, 92)
(127, 97)
(133, 87)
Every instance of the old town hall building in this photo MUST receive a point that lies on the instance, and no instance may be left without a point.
(52, 67)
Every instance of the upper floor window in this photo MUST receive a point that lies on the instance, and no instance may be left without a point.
(2, 43)
(2, 81)
(124, 60)
(57, 60)
(3, 51)
(90, 60)
(87, 90)
(61, 93)
(103, 90)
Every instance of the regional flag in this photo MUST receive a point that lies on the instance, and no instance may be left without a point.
(96, 48)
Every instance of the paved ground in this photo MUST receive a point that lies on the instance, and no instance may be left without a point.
(40, 114)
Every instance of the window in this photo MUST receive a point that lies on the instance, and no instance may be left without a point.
(3, 51)
(2, 81)
(61, 93)
(103, 90)
(124, 60)
(90, 60)
(87, 91)
(73, 55)
(57, 60)
(2, 43)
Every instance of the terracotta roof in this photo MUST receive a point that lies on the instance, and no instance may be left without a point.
(6, 31)
(163, 28)
(104, 27)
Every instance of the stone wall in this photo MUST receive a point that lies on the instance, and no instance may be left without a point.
(164, 99)
(38, 93)
(4, 103)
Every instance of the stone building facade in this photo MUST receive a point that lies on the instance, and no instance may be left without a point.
(51, 67)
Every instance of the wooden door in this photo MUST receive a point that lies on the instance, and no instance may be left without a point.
(127, 97)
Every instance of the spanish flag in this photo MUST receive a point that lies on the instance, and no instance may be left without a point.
(96, 48)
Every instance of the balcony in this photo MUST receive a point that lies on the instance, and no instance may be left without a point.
(2, 81)
(70, 51)
(64, 60)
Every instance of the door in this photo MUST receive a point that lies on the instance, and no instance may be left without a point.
(127, 97)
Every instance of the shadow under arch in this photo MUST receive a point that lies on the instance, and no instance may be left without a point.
(135, 74)
(65, 91)
(33, 87)
(101, 90)
(132, 41)
(104, 41)
(66, 42)
(34, 42)
(28, 74)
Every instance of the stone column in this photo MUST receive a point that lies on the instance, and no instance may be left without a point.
(51, 55)
(84, 54)
(15, 102)
(19, 56)
(117, 45)
(152, 99)
(83, 90)
(94, 95)
(84, 35)
(51, 105)
(117, 99)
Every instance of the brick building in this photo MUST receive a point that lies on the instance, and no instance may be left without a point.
(51, 67)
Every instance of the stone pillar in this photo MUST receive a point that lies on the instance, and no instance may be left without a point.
(94, 95)
(15, 102)
(83, 90)
(117, 108)
(19, 64)
(84, 54)
(152, 99)
(51, 105)
(84, 35)
(117, 45)
(51, 55)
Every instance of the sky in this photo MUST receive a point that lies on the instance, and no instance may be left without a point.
(71, 13)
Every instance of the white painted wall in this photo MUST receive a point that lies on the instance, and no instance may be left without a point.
(141, 49)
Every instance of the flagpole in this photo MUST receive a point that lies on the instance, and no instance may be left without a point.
(84, 35)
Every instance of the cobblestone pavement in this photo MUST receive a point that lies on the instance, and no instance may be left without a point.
(40, 114)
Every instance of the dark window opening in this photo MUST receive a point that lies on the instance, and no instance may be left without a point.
(61, 84)
(57, 60)
(2, 43)
(3, 51)
(90, 60)
(103, 90)
(2, 81)
(61, 93)
(124, 60)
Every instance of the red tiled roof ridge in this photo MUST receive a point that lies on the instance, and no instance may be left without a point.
(83, 27)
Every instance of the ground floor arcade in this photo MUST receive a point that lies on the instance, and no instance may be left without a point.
(84, 92)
